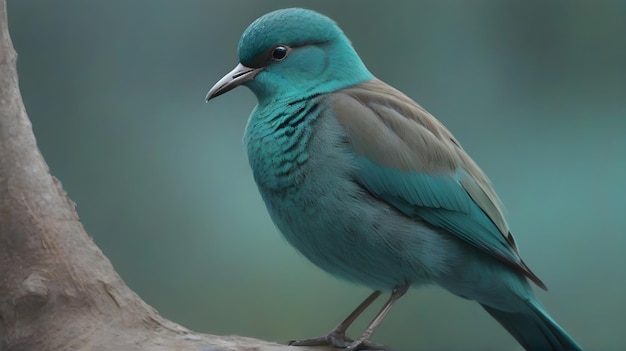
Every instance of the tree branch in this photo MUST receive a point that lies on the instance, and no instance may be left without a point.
(57, 290)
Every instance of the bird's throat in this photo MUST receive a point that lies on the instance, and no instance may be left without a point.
(276, 140)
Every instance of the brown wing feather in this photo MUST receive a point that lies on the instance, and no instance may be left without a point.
(420, 143)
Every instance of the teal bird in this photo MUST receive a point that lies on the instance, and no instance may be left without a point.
(371, 187)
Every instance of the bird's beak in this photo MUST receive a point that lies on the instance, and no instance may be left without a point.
(233, 79)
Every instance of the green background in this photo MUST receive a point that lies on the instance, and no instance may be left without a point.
(534, 90)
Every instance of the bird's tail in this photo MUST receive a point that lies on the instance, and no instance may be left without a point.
(535, 330)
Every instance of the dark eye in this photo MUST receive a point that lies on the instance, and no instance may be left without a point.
(279, 53)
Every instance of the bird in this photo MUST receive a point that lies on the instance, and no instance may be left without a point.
(370, 187)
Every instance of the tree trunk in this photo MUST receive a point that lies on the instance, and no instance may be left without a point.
(57, 290)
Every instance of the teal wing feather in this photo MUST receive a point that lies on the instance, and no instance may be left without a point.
(407, 158)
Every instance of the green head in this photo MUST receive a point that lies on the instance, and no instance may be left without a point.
(293, 53)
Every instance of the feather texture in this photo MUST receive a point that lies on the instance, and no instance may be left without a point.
(412, 161)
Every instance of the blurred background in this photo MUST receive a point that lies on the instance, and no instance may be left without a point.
(534, 90)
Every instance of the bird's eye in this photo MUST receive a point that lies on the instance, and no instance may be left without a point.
(279, 53)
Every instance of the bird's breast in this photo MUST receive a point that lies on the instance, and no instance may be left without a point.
(307, 182)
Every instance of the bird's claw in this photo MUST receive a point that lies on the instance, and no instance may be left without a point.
(366, 345)
(338, 340)
(341, 341)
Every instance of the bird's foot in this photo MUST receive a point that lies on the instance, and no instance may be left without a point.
(335, 339)
(339, 340)
(366, 345)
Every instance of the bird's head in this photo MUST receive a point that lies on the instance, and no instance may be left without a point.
(293, 53)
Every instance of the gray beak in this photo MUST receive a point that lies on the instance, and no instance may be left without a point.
(233, 79)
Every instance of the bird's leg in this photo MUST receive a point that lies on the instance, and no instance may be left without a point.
(363, 342)
(337, 337)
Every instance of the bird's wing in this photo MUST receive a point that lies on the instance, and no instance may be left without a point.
(409, 159)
